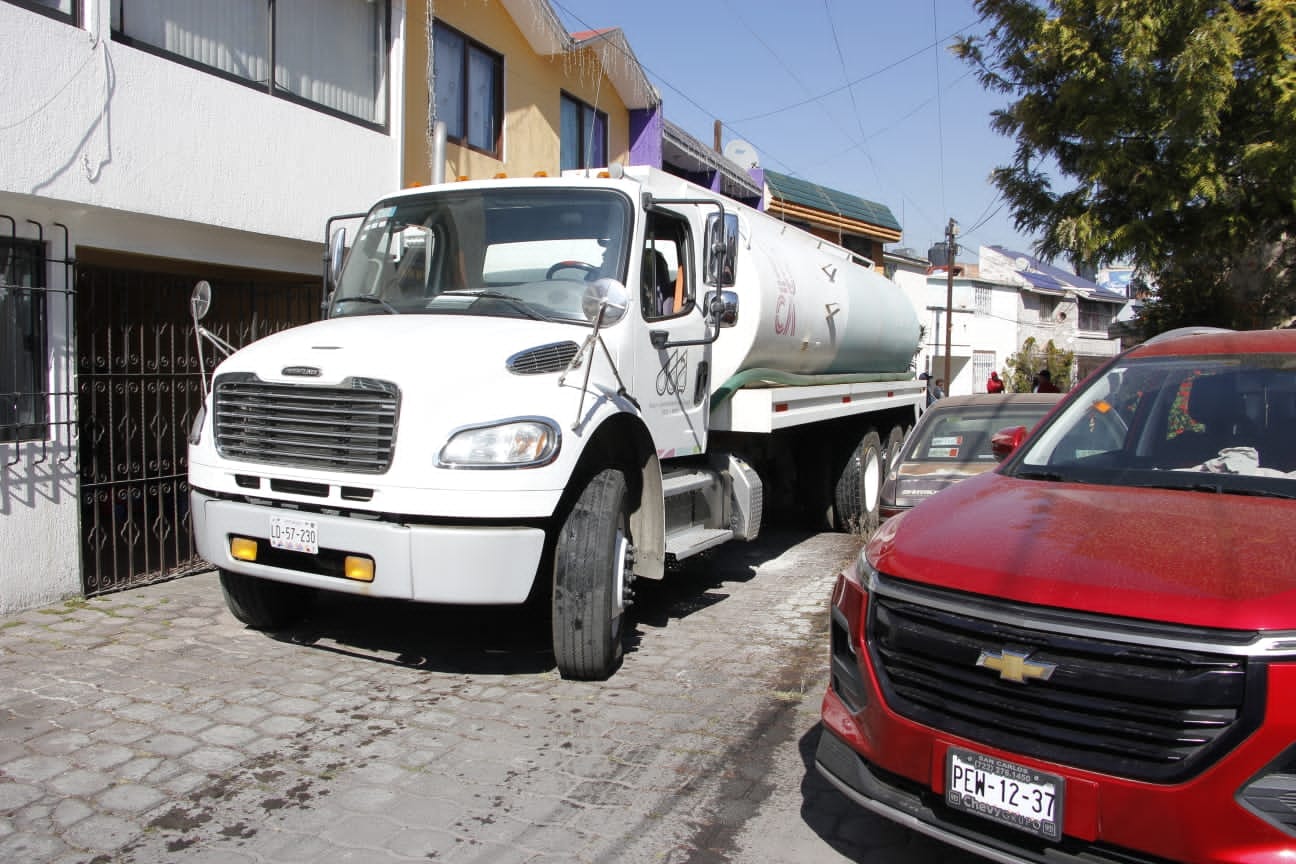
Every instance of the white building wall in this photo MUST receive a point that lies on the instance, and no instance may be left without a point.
(139, 154)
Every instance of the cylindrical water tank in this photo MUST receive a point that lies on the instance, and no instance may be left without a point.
(806, 306)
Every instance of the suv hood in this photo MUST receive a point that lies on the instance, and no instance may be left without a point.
(1197, 558)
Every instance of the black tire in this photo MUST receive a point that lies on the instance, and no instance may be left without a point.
(263, 604)
(894, 442)
(858, 487)
(590, 569)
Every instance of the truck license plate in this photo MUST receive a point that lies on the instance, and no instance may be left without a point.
(1005, 792)
(297, 535)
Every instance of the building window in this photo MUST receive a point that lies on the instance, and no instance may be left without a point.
(468, 89)
(584, 134)
(1095, 317)
(1047, 308)
(981, 298)
(327, 54)
(64, 10)
(24, 371)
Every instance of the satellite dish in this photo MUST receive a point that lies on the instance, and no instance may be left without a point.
(742, 154)
(1022, 264)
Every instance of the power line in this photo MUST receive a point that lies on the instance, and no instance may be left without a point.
(861, 79)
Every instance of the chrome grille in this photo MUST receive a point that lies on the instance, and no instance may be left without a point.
(349, 427)
(1142, 711)
(543, 359)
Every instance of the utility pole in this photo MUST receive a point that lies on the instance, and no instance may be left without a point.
(951, 231)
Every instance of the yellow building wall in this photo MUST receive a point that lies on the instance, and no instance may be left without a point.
(532, 88)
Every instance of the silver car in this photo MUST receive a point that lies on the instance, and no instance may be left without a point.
(952, 441)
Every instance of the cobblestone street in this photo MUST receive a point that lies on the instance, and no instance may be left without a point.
(150, 726)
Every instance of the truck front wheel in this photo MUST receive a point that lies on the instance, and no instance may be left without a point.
(592, 563)
(262, 604)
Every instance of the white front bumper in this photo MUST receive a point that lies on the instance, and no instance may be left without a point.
(460, 564)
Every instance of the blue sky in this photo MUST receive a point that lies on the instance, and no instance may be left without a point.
(912, 131)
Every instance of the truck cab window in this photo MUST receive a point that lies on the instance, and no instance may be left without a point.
(666, 286)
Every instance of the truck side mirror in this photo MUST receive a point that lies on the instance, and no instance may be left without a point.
(337, 253)
(721, 249)
(200, 300)
(722, 307)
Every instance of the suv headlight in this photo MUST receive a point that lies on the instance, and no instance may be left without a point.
(525, 442)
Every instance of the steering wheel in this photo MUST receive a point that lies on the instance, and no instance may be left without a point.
(589, 269)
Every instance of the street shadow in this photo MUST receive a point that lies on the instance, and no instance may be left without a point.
(858, 834)
(470, 640)
(515, 640)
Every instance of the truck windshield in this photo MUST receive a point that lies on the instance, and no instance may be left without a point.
(504, 252)
(1213, 423)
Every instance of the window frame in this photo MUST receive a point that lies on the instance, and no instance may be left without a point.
(74, 17)
(37, 390)
(271, 87)
(1090, 308)
(582, 158)
(465, 91)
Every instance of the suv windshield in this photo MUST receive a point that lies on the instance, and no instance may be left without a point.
(1219, 423)
(508, 252)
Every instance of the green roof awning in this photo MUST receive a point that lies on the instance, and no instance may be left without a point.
(813, 195)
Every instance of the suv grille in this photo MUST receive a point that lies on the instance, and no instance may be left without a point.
(349, 427)
(1113, 705)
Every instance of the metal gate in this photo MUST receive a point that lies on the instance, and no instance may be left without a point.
(138, 389)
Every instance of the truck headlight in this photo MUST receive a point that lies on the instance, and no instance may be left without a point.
(525, 442)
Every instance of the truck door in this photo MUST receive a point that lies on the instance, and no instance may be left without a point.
(673, 382)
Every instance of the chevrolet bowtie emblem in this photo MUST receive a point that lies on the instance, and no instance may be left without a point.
(1015, 666)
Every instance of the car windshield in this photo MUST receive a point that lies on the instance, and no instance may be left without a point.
(506, 252)
(962, 434)
(1215, 423)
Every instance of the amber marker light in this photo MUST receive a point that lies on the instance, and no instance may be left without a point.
(358, 568)
(243, 549)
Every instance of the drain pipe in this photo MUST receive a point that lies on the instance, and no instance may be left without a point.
(438, 151)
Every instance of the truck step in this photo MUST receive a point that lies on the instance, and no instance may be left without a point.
(682, 482)
(692, 540)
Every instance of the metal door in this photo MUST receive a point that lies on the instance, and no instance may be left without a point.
(138, 388)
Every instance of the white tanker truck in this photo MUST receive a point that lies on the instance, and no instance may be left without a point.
(543, 390)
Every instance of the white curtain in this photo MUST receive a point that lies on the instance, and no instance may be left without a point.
(334, 53)
(232, 35)
(329, 52)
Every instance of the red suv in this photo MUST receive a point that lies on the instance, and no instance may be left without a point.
(1089, 655)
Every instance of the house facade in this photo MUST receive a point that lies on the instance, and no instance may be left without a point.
(517, 93)
(1073, 313)
(148, 145)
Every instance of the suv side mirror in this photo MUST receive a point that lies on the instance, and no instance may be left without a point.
(1004, 442)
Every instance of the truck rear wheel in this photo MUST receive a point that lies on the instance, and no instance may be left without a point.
(893, 444)
(591, 572)
(263, 604)
(858, 487)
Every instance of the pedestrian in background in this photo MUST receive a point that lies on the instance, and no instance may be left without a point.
(1044, 382)
(994, 384)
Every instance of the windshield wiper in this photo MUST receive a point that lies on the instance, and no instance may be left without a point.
(521, 305)
(1197, 484)
(367, 298)
(1039, 474)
